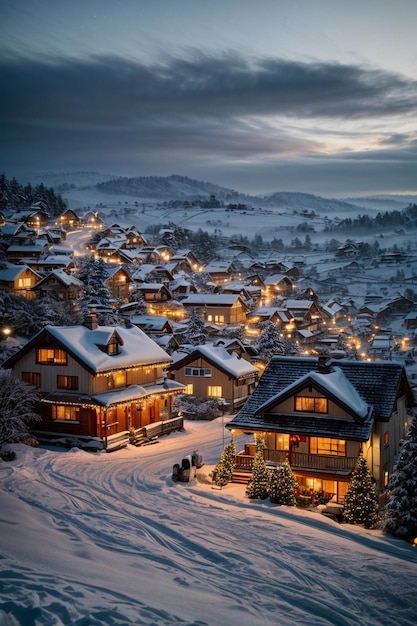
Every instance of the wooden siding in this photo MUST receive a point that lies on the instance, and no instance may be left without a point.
(333, 409)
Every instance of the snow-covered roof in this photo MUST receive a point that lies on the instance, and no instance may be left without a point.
(200, 299)
(335, 383)
(136, 348)
(227, 361)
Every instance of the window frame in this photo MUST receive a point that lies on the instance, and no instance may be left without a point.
(58, 356)
(71, 382)
(335, 447)
(34, 378)
(314, 401)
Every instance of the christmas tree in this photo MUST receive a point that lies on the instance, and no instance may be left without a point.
(222, 473)
(400, 513)
(283, 485)
(361, 501)
(258, 486)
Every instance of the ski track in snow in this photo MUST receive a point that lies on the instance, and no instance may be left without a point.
(138, 548)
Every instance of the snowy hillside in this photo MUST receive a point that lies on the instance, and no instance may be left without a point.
(110, 539)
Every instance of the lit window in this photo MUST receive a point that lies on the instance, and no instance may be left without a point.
(311, 405)
(282, 442)
(215, 391)
(189, 389)
(386, 438)
(328, 447)
(67, 413)
(386, 478)
(51, 356)
(23, 283)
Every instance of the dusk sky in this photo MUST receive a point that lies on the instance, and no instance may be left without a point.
(316, 96)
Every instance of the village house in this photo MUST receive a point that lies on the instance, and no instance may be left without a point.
(118, 282)
(321, 415)
(59, 284)
(69, 219)
(104, 384)
(220, 272)
(214, 372)
(26, 252)
(19, 279)
(217, 308)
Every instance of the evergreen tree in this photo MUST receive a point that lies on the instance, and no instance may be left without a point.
(400, 513)
(195, 334)
(270, 342)
(283, 485)
(17, 404)
(222, 473)
(93, 273)
(258, 486)
(361, 501)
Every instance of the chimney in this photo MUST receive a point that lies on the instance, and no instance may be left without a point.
(91, 321)
(322, 363)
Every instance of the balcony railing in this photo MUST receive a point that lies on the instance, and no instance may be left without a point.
(299, 460)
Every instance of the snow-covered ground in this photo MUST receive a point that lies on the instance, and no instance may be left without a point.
(91, 539)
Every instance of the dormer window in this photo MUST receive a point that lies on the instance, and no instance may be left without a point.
(307, 404)
(113, 346)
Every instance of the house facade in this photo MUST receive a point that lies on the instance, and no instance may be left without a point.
(214, 372)
(101, 382)
(218, 308)
(321, 415)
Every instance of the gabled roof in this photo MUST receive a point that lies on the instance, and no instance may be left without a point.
(83, 344)
(210, 299)
(377, 384)
(223, 360)
(62, 277)
(11, 273)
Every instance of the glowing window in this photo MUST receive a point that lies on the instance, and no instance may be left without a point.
(311, 405)
(328, 447)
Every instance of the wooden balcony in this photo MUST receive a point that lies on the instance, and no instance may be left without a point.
(299, 461)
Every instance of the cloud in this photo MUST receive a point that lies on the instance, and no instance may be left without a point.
(202, 114)
(115, 91)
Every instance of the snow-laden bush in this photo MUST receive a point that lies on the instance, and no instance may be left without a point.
(17, 408)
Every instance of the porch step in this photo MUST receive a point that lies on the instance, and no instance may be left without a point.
(241, 477)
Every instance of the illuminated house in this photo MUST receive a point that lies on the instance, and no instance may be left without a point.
(320, 416)
(215, 372)
(105, 383)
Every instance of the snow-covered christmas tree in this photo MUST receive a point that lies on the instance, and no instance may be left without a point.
(361, 501)
(400, 513)
(195, 333)
(270, 342)
(17, 408)
(283, 485)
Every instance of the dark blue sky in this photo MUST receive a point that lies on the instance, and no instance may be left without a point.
(318, 97)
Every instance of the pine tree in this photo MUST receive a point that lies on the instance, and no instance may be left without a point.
(283, 485)
(400, 513)
(361, 501)
(195, 334)
(270, 342)
(17, 407)
(222, 473)
(258, 486)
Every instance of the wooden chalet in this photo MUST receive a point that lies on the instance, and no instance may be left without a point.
(20, 280)
(69, 219)
(217, 308)
(61, 285)
(214, 372)
(321, 415)
(99, 384)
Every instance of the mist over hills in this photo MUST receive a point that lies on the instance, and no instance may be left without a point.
(177, 187)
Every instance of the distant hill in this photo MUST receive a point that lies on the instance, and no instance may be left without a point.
(306, 201)
(183, 188)
(170, 187)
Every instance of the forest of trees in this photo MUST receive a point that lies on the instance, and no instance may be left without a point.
(13, 195)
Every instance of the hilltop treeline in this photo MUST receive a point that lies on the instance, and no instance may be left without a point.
(405, 219)
(13, 195)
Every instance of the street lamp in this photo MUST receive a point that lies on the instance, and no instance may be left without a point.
(223, 404)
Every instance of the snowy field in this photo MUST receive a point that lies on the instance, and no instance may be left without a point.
(96, 539)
